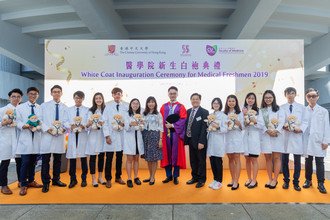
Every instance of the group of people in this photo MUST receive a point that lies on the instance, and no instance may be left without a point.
(28, 130)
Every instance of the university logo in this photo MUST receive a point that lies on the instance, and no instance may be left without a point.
(211, 50)
(112, 49)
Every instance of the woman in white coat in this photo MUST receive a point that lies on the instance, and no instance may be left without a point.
(77, 138)
(8, 139)
(133, 142)
(316, 139)
(234, 139)
(95, 139)
(216, 142)
(272, 139)
(253, 123)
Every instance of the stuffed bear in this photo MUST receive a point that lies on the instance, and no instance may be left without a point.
(34, 123)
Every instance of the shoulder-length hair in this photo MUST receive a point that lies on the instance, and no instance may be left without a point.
(218, 100)
(130, 109)
(147, 109)
(254, 106)
(275, 107)
(94, 106)
(236, 108)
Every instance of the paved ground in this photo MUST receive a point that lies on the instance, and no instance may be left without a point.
(187, 211)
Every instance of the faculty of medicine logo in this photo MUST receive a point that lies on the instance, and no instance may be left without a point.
(211, 50)
(111, 49)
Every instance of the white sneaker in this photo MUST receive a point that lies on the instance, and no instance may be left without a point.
(212, 184)
(217, 185)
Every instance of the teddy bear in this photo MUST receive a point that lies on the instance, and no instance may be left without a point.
(139, 119)
(249, 115)
(34, 123)
(57, 128)
(291, 123)
(211, 122)
(96, 122)
(231, 123)
(10, 115)
(117, 124)
(77, 122)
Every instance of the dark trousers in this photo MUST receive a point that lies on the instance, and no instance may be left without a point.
(45, 167)
(286, 171)
(100, 163)
(73, 168)
(4, 172)
(198, 163)
(27, 169)
(172, 171)
(217, 168)
(319, 168)
(18, 161)
(108, 164)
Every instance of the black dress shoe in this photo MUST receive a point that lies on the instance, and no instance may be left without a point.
(229, 185)
(95, 185)
(199, 185)
(273, 187)
(45, 188)
(129, 183)
(59, 183)
(176, 180)
(285, 185)
(235, 188)
(146, 180)
(151, 183)
(321, 188)
(267, 185)
(137, 181)
(72, 183)
(296, 187)
(307, 184)
(83, 183)
(252, 186)
(167, 180)
(192, 181)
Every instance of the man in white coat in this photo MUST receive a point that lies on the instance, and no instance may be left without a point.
(28, 145)
(114, 135)
(8, 138)
(75, 122)
(295, 125)
(52, 142)
(316, 139)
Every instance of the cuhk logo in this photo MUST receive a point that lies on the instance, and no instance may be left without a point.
(211, 50)
(111, 49)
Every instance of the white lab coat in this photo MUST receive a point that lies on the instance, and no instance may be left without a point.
(273, 144)
(8, 136)
(234, 138)
(73, 150)
(117, 137)
(293, 142)
(216, 139)
(25, 143)
(252, 137)
(129, 138)
(50, 143)
(95, 139)
(318, 131)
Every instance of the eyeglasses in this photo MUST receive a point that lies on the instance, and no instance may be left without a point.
(15, 97)
(312, 96)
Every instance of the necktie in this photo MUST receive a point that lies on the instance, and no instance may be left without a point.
(117, 107)
(77, 114)
(32, 113)
(290, 109)
(191, 118)
(57, 112)
(32, 109)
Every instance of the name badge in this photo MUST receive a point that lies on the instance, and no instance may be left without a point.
(199, 118)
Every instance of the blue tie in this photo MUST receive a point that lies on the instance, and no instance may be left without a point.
(57, 113)
(77, 113)
(32, 109)
(290, 109)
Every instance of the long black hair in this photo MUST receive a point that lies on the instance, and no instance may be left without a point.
(130, 109)
(147, 109)
(218, 100)
(254, 106)
(275, 107)
(94, 107)
(237, 109)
